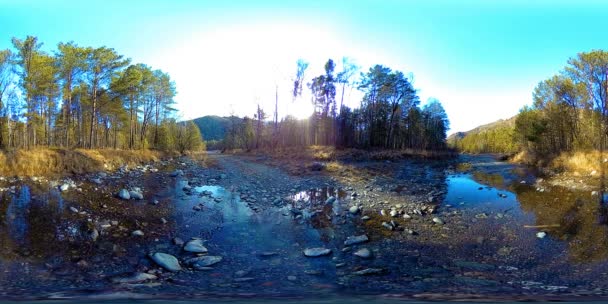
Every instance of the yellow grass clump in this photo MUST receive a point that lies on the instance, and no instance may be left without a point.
(583, 162)
(49, 161)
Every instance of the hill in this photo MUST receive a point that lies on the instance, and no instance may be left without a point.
(495, 137)
(212, 127)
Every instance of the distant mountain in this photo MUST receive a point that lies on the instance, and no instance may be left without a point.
(212, 127)
(496, 137)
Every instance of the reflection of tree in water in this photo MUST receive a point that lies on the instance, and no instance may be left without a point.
(579, 216)
(29, 226)
(495, 180)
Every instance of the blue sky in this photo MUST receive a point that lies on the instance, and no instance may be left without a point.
(481, 59)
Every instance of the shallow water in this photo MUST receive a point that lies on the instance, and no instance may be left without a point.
(488, 245)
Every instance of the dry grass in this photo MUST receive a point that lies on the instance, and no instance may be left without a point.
(579, 162)
(49, 162)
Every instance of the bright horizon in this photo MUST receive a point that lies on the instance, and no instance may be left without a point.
(481, 59)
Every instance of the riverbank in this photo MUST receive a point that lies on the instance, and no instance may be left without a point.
(408, 228)
(581, 170)
(57, 162)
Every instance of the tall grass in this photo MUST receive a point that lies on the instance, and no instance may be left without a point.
(48, 161)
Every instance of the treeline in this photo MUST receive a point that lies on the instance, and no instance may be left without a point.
(569, 113)
(389, 115)
(85, 97)
(570, 109)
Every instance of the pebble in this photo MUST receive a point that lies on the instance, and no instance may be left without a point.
(316, 252)
(291, 278)
(354, 209)
(136, 195)
(352, 240)
(137, 233)
(541, 234)
(438, 221)
(124, 194)
(195, 246)
(363, 253)
(369, 271)
(204, 261)
(166, 261)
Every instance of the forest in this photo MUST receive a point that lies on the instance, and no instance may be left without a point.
(389, 116)
(569, 113)
(85, 97)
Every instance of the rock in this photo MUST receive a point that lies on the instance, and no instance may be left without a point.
(136, 195)
(330, 200)
(64, 187)
(406, 216)
(541, 234)
(137, 233)
(352, 240)
(316, 252)
(240, 273)
(177, 173)
(137, 277)
(353, 210)
(163, 220)
(365, 218)
(394, 213)
(195, 246)
(387, 226)
(363, 253)
(438, 221)
(93, 235)
(317, 166)
(383, 212)
(73, 209)
(166, 261)
(197, 208)
(96, 181)
(124, 194)
(178, 241)
(203, 261)
(369, 271)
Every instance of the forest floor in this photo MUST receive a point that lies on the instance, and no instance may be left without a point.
(457, 228)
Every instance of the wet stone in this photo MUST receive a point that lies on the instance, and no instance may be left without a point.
(438, 221)
(136, 195)
(316, 252)
(203, 261)
(195, 246)
(124, 194)
(363, 253)
(352, 240)
(166, 261)
(369, 271)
